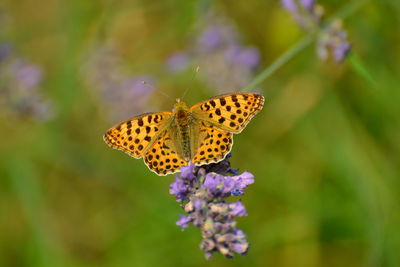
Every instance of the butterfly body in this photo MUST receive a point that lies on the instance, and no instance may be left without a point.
(200, 134)
(183, 119)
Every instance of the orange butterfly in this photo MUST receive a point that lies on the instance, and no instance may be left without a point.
(200, 134)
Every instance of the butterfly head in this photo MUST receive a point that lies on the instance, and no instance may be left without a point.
(179, 105)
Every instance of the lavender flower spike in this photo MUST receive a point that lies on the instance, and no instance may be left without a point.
(21, 92)
(202, 193)
(332, 39)
(178, 62)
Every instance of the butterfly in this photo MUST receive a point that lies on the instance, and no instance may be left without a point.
(200, 134)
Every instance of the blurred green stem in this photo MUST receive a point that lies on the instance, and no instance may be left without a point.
(359, 67)
(25, 182)
(294, 50)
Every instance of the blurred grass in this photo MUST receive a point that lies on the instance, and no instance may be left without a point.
(326, 161)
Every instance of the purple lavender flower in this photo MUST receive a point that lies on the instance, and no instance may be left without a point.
(27, 76)
(183, 222)
(187, 172)
(305, 12)
(20, 87)
(237, 209)
(226, 64)
(5, 51)
(113, 88)
(225, 185)
(211, 38)
(178, 62)
(332, 39)
(308, 4)
(179, 188)
(246, 56)
(216, 36)
(203, 194)
(341, 51)
(290, 5)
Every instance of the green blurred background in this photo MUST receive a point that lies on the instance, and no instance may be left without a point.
(325, 150)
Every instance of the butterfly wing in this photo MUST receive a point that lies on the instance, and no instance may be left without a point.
(215, 121)
(163, 157)
(231, 112)
(136, 135)
(212, 143)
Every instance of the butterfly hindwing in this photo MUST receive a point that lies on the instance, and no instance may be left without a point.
(162, 157)
(230, 112)
(213, 144)
(137, 134)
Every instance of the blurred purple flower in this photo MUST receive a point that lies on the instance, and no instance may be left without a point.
(5, 51)
(183, 222)
(20, 87)
(214, 182)
(224, 185)
(27, 76)
(226, 64)
(187, 172)
(341, 51)
(332, 39)
(203, 194)
(308, 4)
(237, 209)
(246, 56)
(305, 12)
(178, 62)
(179, 188)
(216, 36)
(244, 179)
(113, 88)
(290, 5)
(211, 38)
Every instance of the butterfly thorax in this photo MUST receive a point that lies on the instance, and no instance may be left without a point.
(182, 123)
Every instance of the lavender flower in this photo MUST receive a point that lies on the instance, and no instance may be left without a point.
(183, 222)
(5, 51)
(202, 192)
(178, 62)
(217, 35)
(290, 5)
(113, 88)
(226, 64)
(20, 87)
(305, 12)
(332, 39)
(308, 4)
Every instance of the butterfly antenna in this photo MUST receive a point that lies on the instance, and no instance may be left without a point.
(194, 75)
(154, 89)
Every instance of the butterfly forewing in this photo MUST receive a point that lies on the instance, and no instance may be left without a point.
(137, 134)
(230, 112)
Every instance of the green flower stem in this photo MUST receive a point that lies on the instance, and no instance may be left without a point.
(289, 54)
